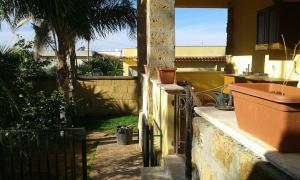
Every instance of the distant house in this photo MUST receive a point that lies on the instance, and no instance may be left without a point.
(82, 56)
(187, 58)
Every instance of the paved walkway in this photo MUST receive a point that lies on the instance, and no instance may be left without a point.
(113, 161)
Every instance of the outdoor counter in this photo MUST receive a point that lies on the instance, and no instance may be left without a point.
(226, 122)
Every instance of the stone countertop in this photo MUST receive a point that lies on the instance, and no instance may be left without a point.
(226, 121)
(260, 78)
(169, 88)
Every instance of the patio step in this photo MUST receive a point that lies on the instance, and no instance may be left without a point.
(154, 173)
(175, 167)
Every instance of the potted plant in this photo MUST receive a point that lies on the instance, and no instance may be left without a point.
(166, 74)
(124, 134)
(270, 112)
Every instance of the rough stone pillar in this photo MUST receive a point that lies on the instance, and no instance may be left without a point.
(142, 45)
(160, 40)
(142, 34)
(160, 34)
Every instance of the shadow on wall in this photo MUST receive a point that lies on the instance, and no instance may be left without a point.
(99, 102)
(99, 97)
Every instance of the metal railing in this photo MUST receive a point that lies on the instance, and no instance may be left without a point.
(43, 154)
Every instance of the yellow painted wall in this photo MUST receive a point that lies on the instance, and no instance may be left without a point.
(163, 115)
(98, 97)
(163, 109)
(186, 51)
(244, 31)
(282, 69)
(202, 80)
(127, 64)
(129, 52)
(192, 51)
(106, 97)
(244, 40)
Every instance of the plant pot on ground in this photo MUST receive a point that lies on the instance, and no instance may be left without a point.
(270, 112)
(124, 135)
(166, 75)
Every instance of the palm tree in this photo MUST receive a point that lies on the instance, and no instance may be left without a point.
(60, 23)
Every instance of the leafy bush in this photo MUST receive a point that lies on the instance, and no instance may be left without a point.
(21, 106)
(103, 66)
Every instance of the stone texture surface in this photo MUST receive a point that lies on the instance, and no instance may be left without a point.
(161, 34)
(221, 143)
(115, 162)
(218, 156)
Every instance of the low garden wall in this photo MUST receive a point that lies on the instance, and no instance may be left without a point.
(216, 155)
(103, 95)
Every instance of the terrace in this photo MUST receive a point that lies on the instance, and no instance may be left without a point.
(182, 133)
(191, 125)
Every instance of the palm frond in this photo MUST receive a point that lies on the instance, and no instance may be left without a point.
(42, 35)
(109, 16)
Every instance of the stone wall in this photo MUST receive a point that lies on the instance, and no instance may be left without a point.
(218, 156)
(100, 96)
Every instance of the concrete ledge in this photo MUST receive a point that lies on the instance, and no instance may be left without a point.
(107, 78)
(169, 88)
(226, 122)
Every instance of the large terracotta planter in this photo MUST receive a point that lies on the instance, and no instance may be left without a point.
(272, 117)
(166, 75)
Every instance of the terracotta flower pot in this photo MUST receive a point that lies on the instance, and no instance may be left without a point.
(265, 113)
(166, 75)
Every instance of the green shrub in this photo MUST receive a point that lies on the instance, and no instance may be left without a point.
(21, 106)
(103, 66)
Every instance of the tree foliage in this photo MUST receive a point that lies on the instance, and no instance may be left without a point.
(21, 105)
(103, 66)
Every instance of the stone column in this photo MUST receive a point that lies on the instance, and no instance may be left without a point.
(142, 45)
(160, 40)
(160, 34)
(142, 34)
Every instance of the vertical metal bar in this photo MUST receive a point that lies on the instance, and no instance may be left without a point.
(56, 165)
(73, 158)
(84, 161)
(47, 156)
(57, 136)
(151, 149)
(2, 156)
(145, 143)
(29, 157)
(65, 155)
(39, 154)
(188, 144)
(20, 154)
(12, 166)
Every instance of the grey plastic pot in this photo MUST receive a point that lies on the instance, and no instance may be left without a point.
(124, 135)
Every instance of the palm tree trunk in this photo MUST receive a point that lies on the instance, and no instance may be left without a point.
(63, 77)
(72, 75)
(88, 49)
(63, 82)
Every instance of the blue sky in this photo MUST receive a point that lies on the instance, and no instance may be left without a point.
(194, 27)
